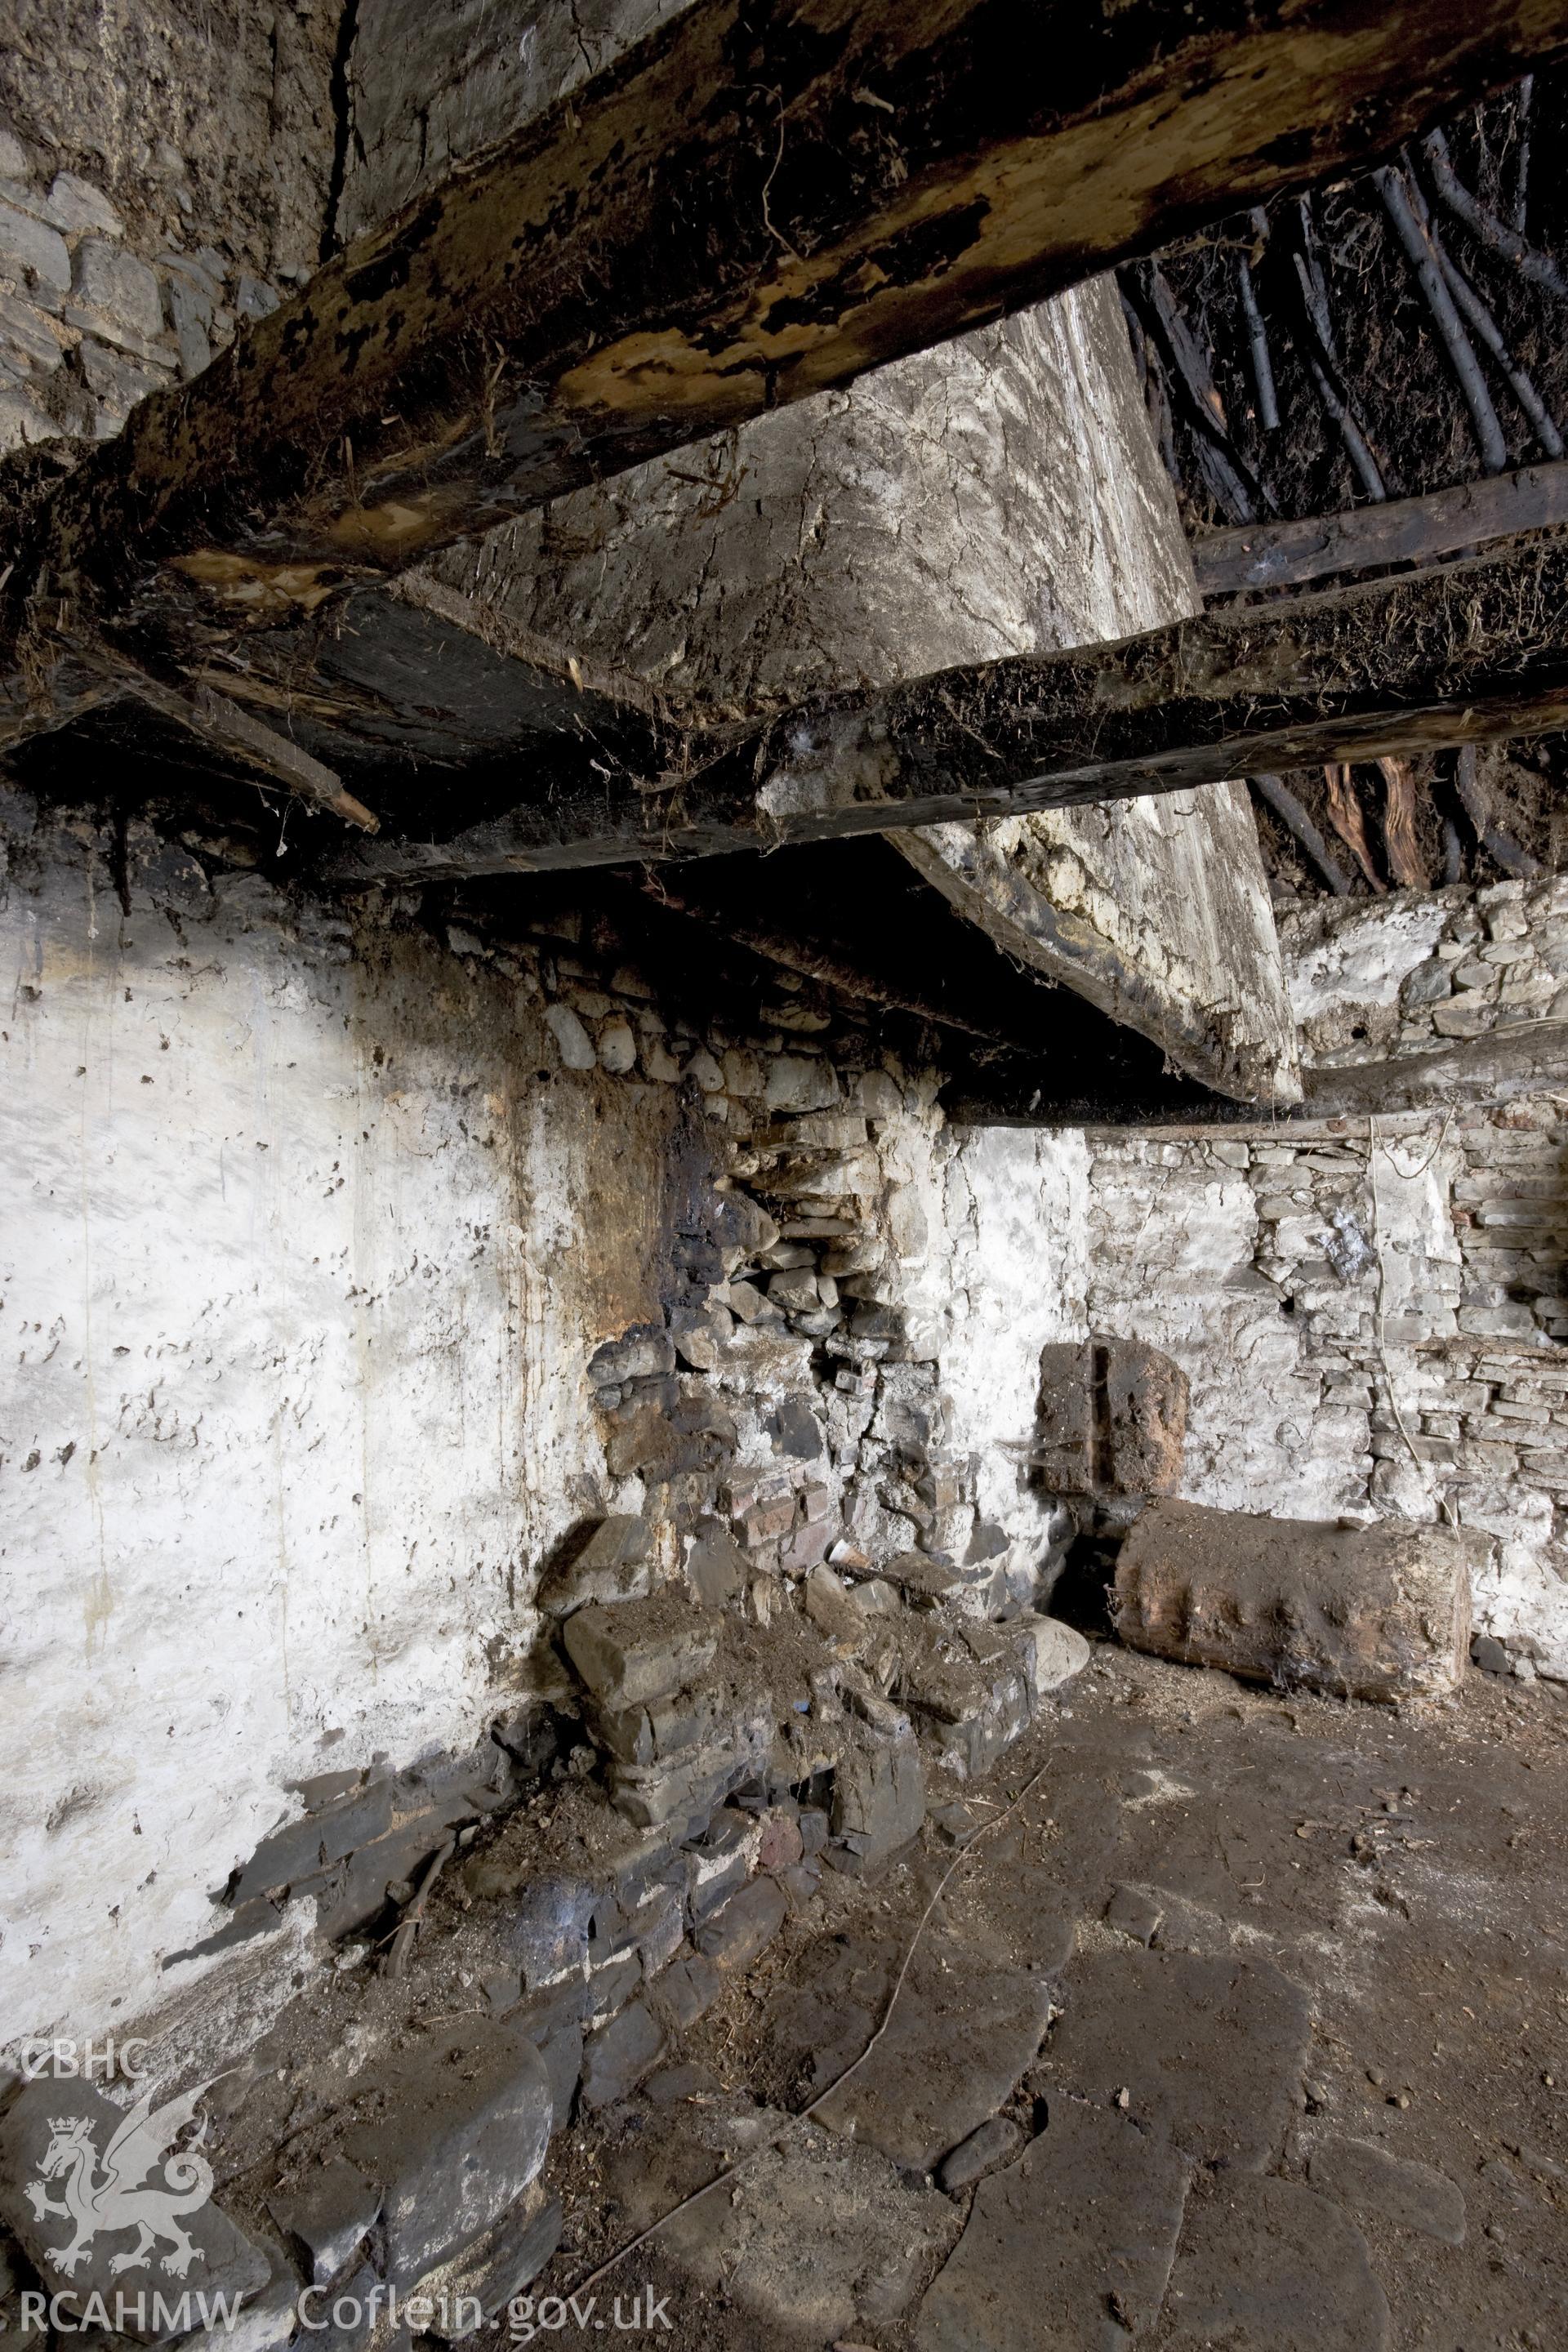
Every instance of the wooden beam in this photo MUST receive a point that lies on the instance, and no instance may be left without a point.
(761, 200)
(1404, 530)
(1470, 653)
(1529, 1056)
(225, 729)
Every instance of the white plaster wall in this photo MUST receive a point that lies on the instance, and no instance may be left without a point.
(1014, 1217)
(276, 1353)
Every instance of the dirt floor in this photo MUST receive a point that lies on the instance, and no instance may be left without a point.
(1273, 1991)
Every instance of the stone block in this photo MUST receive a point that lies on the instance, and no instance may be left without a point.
(55, 2143)
(722, 1860)
(572, 1042)
(640, 1650)
(463, 2123)
(619, 2054)
(991, 2144)
(547, 1935)
(743, 1927)
(923, 1581)
(617, 1563)
(73, 204)
(797, 1082)
(1111, 1419)
(685, 1990)
(118, 382)
(610, 1986)
(716, 1566)
(27, 336)
(1135, 1911)
(1270, 2263)
(1053, 1654)
(303, 1849)
(330, 2211)
(617, 1047)
(794, 1292)
(119, 289)
(497, 2266)
(1369, 2179)
(30, 248)
(835, 1611)
(561, 2053)
(805, 1546)
(267, 2321)
(1146, 1408)
(699, 1335)
(878, 1796)
(767, 1518)
(966, 2024)
(1379, 1612)
(780, 1844)
(1207, 2051)
(683, 1790)
(643, 1353)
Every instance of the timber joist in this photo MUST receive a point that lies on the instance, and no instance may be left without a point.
(763, 199)
(1475, 651)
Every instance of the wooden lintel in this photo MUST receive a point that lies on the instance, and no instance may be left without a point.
(1476, 651)
(761, 200)
(1403, 531)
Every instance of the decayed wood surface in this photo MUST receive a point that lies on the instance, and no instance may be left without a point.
(1401, 531)
(1453, 656)
(1497, 1066)
(763, 199)
(1374, 1612)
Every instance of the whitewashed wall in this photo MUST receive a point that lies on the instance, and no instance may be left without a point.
(298, 1294)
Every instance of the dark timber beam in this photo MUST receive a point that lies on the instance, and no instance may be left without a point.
(1401, 531)
(763, 199)
(1474, 651)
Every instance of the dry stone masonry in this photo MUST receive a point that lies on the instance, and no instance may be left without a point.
(1371, 980)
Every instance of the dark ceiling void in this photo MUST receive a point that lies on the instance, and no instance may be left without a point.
(875, 944)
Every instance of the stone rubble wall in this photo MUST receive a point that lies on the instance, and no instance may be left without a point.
(1371, 1311)
(165, 175)
(1372, 979)
(1391, 1358)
